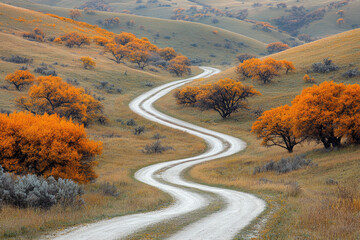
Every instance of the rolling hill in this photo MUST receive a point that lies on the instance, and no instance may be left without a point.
(197, 41)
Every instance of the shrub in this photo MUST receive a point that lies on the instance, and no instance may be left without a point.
(156, 147)
(88, 62)
(109, 88)
(36, 35)
(109, 189)
(47, 146)
(277, 47)
(308, 79)
(17, 59)
(285, 165)
(293, 189)
(73, 82)
(139, 130)
(158, 136)
(32, 191)
(44, 70)
(351, 73)
(324, 67)
(245, 56)
(131, 122)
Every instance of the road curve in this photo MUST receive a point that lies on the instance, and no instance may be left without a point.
(239, 208)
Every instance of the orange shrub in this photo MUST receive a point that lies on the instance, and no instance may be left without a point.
(277, 47)
(88, 62)
(46, 146)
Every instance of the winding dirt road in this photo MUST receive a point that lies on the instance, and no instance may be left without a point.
(238, 209)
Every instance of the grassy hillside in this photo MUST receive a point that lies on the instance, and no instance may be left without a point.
(194, 40)
(264, 12)
(122, 153)
(306, 210)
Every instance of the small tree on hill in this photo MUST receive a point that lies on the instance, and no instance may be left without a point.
(187, 95)
(179, 65)
(225, 96)
(119, 52)
(74, 39)
(74, 14)
(167, 53)
(20, 79)
(88, 62)
(340, 21)
(36, 35)
(277, 47)
(53, 96)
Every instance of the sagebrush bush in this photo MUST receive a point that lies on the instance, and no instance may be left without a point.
(284, 165)
(139, 130)
(323, 67)
(156, 147)
(109, 189)
(17, 59)
(351, 73)
(44, 70)
(32, 191)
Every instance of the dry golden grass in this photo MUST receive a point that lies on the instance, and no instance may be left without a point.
(298, 213)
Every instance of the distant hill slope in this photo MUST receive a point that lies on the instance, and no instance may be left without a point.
(197, 41)
(258, 10)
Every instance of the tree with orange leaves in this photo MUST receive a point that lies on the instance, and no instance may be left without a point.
(119, 52)
(20, 79)
(51, 95)
(179, 65)
(74, 14)
(124, 38)
(316, 113)
(225, 96)
(340, 21)
(348, 124)
(74, 39)
(275, 127)
(47, 146)
(277, 47)
(187, 95)
(141, 51)
(101, 41)
(167, 53)
(88, 62)
(289, 66)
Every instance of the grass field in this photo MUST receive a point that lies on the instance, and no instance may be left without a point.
(122, 153)
(313, 210)
(193, 40)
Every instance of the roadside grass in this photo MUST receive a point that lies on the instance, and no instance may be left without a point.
(122, 154)
(314, 202)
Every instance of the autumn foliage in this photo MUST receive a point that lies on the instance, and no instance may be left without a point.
(179, 65)
(88, 62)
(225, 96)
(74, 14)
(264, 70)
(51, 95)
(73, 39)
(36, 35)
(20, 78)
(326, 113)
(277, 47)
(46, 146)
(275, 127)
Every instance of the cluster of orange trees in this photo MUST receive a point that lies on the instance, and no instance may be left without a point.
(46, 141)
(225, 96)
(142, 52)
(264, 70)
(326, 113)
